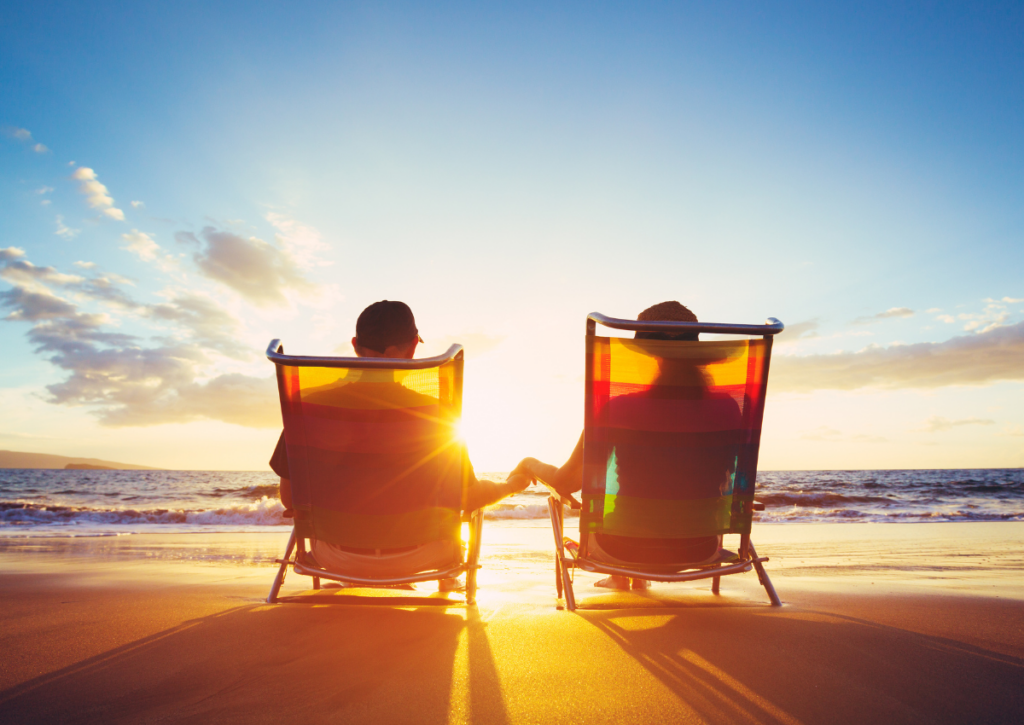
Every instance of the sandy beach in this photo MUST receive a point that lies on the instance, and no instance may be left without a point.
(882, 623)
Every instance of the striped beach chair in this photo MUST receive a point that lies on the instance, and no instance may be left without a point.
(377, 470)
(671, 436)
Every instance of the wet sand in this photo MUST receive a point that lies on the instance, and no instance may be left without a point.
(881, 622)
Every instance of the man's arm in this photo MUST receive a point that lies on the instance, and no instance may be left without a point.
(483, 493)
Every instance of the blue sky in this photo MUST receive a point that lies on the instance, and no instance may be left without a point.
(855, 170)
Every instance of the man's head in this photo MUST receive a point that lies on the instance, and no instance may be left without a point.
(666, 312)
(386, 329)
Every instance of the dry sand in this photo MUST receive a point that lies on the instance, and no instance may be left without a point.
(881, 623)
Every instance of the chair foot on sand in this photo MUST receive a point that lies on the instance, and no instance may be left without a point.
(762, 576)
(275, 588)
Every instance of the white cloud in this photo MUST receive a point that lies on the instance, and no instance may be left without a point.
(21, 273)
(260, 272)
(301, 241)
(65, 231)
(45, 202)
(40, 149)
(994, 315)
(44, 190)
(979, 358)
(938, 424)
(96, 194)
(85, 265)
(206, 322)
(137, 204)
(141, 244)
(122, 381)
(22, 134)
(799, 330)
(948, 319)
(889, 314)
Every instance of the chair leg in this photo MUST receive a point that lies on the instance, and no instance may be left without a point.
(476, 532)
(715, 584)
(570, 595)
(555, 511)
(762, 576)
(275, 588)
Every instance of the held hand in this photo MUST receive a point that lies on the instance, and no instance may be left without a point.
(525, 468)
(518, 482)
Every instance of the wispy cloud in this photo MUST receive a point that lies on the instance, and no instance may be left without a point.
(137, 204)
(260, 272)
(302, 241)
(21, 273)
(65, 231)
(938, 424)
(798, 331)
(85, 265)
(141, 244)
(889, 314)
(21, 134)
(96, 194)
(994, 314)
(983, 357)
(124, 381)
(208, 324)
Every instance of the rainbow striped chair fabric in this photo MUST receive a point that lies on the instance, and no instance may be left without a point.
(377, 469)
(671, 436)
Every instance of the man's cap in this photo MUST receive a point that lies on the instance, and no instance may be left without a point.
(667, 312)
(384, 324)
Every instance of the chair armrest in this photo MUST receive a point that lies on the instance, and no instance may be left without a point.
(564, 498)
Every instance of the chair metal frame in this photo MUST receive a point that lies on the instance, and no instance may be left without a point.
(469, 563)
(748, 558)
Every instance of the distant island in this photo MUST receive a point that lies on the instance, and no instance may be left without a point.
(20, 459)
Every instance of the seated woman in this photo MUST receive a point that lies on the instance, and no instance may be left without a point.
(641, 468)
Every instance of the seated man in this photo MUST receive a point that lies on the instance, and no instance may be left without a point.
(634, 465)
(387, 329)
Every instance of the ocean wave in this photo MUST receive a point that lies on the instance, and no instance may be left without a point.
(264, 512)
(254, 492)
(818, 500)
(517, 511)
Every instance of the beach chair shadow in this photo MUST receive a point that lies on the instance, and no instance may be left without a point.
(672, 430)
(377, 471)
(358, 664)
(849, 669)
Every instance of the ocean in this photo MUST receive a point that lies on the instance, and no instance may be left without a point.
(36, 502)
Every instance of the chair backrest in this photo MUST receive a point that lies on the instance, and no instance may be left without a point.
(671, 434)
(373, 448)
